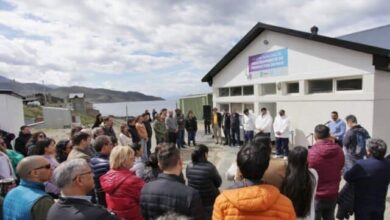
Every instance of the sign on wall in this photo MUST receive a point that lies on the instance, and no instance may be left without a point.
(273, 63)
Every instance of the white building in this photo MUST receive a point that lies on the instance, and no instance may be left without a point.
(307, 75)
(11, 111)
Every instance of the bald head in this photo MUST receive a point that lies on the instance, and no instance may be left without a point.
(28, 164)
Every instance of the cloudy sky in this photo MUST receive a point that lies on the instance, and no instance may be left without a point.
(160, 47)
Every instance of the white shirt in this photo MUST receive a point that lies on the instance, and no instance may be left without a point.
(264, 123)
(124, 140)
(249, 122)
(282, 125)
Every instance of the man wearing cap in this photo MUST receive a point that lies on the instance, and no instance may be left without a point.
(29, 200)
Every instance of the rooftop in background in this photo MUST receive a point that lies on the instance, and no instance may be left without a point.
(377, 37)
(10, 92)
(76, 95)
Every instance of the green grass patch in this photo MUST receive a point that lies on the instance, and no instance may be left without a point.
(32, 112)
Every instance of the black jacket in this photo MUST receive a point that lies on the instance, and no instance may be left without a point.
(100, 165)
(78, 209)
(109, 132)
(21, 142)
(235, 121)
(204, 177)
(226, 121)
(149, 129)
(191, 124)
(134, 134)
(168, 193)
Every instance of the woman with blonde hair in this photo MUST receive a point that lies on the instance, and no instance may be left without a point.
(124, 136)
(122, 186)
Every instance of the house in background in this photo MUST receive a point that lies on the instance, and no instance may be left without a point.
(77, 101)
(11, 111)
(308, 75)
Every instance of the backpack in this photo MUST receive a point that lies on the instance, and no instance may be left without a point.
(361, 139)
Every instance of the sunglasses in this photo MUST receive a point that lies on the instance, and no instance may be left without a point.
(41, 136)
(47, 166)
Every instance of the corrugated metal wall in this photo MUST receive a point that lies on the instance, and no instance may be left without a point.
(195, 104)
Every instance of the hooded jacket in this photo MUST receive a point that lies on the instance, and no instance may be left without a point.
(123, 190)
(253, 202)
(21, 142)
(327, 158)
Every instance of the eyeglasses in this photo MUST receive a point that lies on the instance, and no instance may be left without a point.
(47, 166)
(82, 174)
(41, 136)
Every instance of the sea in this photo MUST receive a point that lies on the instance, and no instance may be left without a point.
(123, 109)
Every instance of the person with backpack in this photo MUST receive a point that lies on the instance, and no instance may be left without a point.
(354, 142)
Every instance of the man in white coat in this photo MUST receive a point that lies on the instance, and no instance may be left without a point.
(282, 134)
(264, 123)
(249, 125)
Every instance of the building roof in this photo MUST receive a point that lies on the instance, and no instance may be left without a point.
(377, 37)
(381, 56)
(10, 92)
(76, 95)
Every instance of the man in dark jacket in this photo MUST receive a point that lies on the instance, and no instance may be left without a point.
(149, 130)
(75, 179)
(191, 127)
(226, 127)
(354, 142)
(108, 126)
(371, 179)
(327, 158)
(180, 128)
(235, 128)
(168, 192)
(21, 141)
(133, 130)
(100, 165)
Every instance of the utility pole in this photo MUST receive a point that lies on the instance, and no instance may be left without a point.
(44, 91)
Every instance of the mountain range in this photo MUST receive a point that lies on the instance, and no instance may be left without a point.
(94, 95)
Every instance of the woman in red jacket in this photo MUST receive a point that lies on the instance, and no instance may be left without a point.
(121, 185)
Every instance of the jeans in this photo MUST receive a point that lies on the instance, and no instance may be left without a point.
(248, 136)
(325, 209)
(172, 138)
(236, 136)
(207, 129)
(226, 132)
(191, 137)
(282, 146)
(145, 156)
(180, 138)
(149, 145)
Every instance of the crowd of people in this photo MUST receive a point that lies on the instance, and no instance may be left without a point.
(95, 175)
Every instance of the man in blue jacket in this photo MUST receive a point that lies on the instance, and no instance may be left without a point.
(29, 200)
(371, 178)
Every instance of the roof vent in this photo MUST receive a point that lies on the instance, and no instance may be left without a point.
(314, 30)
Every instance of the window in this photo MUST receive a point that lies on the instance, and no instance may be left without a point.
(249, 106)
(349, 84)
(236, 91)
(236, 107)
(268, 89)
(248, 90)
(223, 92)
(320, 86)
(292, 87)
(224, 107)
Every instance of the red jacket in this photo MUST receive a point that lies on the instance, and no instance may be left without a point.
(327, 158)
(123, 190)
